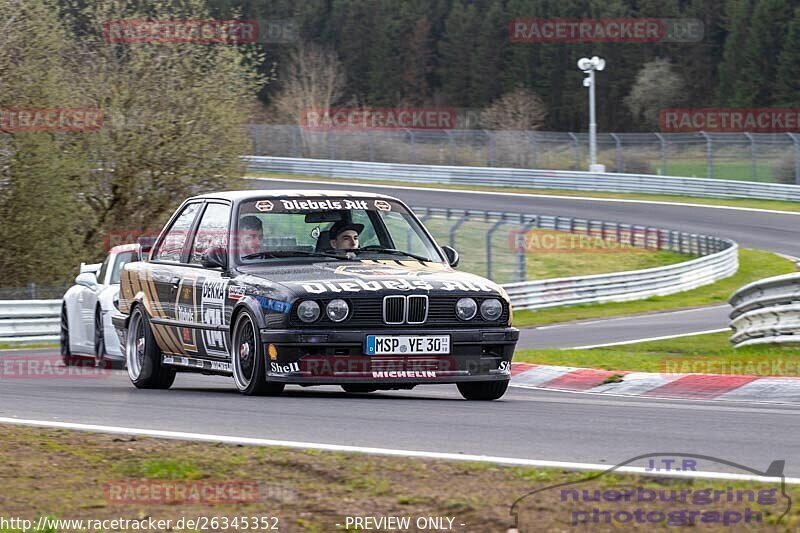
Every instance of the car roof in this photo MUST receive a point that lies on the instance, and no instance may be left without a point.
(124, 248)
(287, 193)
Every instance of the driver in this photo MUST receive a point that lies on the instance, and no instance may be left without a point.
(344, 235)
(251, 234)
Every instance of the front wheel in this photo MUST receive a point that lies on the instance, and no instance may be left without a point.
(66, 353)
(99, 339)
(143, 356)
(482, 390)
(247, 360)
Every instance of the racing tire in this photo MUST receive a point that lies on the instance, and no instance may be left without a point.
(99, 340)
(482, 390)
(66, 353)
(358, 388)
(248, 364)
(143, 356)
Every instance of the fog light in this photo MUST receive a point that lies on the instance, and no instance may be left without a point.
(272, 351)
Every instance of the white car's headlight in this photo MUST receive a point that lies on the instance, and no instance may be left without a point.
(466, 308)
(491, 309)
(337, 310)
(308, 311)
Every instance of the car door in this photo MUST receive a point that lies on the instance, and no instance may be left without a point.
(164, 277)
(204, 291)
(87, 303)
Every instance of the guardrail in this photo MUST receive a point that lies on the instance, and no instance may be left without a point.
(767, 312)
(26, 321)
(29, 321)
(527, 178)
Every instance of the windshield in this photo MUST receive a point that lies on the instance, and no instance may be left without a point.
(330, 228)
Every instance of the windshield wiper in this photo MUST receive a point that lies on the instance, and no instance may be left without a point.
(392, 251)
(292, 253)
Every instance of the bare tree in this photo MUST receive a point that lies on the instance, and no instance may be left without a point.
(658, 85)
(512, 116)
(313, 78)
(519, 110)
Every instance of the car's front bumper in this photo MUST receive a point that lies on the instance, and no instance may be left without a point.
(337, 357)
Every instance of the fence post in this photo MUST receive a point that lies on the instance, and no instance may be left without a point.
(452, 147)
(709, 155)
(534, 154)
(491, 146)
(331, 148)
(618, 153)
(796, 140)
(454, 229)
(663, 142)
(32, 291)
(489, 235)
(577, 151)
(522, 267)
(370, 145)
(752, 156)
(413, 148)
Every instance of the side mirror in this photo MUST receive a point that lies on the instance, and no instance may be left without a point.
(146, 243)
(87, 279)
(451, 254)
(215, 257)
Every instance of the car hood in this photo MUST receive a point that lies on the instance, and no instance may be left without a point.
(372, 277)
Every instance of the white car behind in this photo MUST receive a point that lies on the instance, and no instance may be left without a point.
(86, 329)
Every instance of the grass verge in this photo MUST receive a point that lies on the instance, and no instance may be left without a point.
(776, 205)
(753, 265)
(33, 346)
(74, 475)
(710, 353)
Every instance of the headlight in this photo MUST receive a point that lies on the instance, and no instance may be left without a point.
(337, 310)
(308, 311)
(491, 309)
(466, 308)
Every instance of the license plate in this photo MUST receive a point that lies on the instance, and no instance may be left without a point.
(407, 344)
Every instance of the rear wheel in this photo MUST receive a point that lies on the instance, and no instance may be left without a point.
(66, 353)
(143, 356)
(247, 360)
(482, 390)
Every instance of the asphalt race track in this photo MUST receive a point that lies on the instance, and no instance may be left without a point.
(526, 423)
(532, 424)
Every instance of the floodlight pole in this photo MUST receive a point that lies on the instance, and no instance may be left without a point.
(592, 125)
(589, 66)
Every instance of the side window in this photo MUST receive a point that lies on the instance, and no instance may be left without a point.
(101, 274)
(171, 247)
(212, 231)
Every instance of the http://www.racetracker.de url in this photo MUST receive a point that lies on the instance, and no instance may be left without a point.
(199, 523)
